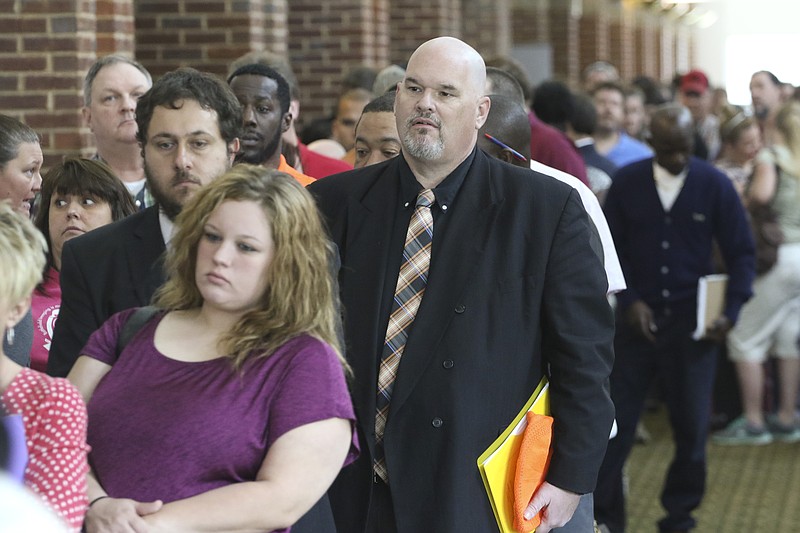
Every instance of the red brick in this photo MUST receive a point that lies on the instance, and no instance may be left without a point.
(53, 120)
(69, 63)
(8, 44)
(227, 52)
(8, 83)
(144, 6)
(205, 6)
(50, 83)
(22, 63)
(50, 44)
(24, 101)
(182, 54)
(151, 38)
(228, 22)
(67, 24)
(181, 22)
(31, 25)
(145, 22)
(68, 101)
(68, 141)
(206, 37)
(48, 6)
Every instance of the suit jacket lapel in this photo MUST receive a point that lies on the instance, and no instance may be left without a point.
(467, 233)
(368, 230)
(145, 256)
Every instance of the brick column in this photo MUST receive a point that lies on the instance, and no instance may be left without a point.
(115, 27)
(486, 26)
(597, 36)
(530, 21)
(328, 39)
(413, 22)
(565, 24)
(206, 34)
(623, 54)
(646, 39)
(45, 49)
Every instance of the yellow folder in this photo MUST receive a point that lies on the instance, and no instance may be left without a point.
(498, 463)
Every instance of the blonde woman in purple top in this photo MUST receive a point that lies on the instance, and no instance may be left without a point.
(228, 410)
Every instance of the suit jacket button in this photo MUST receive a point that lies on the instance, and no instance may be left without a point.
(448, 363)
(460, 309)
(437, 422)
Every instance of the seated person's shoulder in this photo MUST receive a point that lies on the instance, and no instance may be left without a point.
(47, 393)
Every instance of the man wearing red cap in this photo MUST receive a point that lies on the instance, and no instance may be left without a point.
(695, 96)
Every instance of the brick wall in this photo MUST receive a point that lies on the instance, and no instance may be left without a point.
(327, 40)
(413, 22)
(47, 45)
(115, 27)
(485, 26)
(206, 34)
(565, 40)
(530, 21)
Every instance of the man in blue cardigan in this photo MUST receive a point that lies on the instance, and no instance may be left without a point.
(664, 214)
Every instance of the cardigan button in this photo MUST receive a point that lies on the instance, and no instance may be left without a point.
(437, 422)
(460, 308)
(665, 245)
(448, 363)
(665, 270)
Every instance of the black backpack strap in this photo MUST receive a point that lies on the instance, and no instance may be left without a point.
(135, 322)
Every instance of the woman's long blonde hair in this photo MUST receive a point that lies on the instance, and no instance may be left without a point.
(300, 295)
(787, 121)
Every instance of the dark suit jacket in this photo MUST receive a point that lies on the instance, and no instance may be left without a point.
(513, 286)
(110, 269)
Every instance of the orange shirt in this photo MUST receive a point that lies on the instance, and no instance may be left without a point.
(300, 177)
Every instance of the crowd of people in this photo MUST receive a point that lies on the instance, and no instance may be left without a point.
(220, 322)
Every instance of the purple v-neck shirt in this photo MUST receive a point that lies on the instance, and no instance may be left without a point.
(166, 429)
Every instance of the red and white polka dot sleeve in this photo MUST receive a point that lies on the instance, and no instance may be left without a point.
(54, 416)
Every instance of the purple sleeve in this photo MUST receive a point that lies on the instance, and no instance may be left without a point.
(313, 389)
(102, 344)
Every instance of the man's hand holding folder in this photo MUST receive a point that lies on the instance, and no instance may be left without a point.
(513, 469)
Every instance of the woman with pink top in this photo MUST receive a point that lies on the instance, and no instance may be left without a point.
(78, 196)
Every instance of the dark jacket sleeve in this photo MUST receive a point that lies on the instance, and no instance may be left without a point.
(578, 333)
(76, 318)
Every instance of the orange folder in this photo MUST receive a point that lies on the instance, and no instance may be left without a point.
(514, 465)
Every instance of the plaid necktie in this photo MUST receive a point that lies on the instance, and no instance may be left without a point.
(407, 297)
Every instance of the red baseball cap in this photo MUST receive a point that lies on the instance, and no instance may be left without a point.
(694, 81)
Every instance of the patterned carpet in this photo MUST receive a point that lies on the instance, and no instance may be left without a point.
(750, 489)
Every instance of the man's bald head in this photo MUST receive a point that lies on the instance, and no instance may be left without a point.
(670, 118)
(458, 57)
(440, 106)
(508, 123)
(672, 137)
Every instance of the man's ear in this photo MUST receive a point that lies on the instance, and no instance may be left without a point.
(507, 156)
(87, 117)
(286, 121)
(294, 108)
(484, 103)
(233, 149)
(18, 311)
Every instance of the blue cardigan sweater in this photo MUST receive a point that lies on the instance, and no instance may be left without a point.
(663, 254)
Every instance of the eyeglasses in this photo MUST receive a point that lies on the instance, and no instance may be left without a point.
(501, 144)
